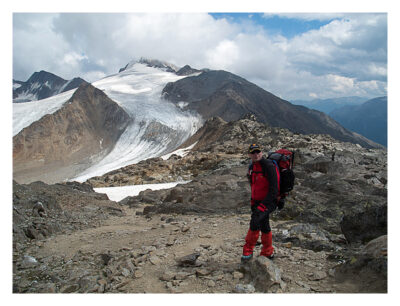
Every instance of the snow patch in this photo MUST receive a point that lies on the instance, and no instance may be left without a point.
(182, 104)
(24, 114)
(35, 85)
(119, 193)
(181, 152)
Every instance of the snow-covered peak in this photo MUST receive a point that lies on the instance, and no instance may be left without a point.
(157, 128)
(155, 63)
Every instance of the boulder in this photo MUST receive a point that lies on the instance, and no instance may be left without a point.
(363, 223)
(188, 260)
(265, 275)
(367, 268)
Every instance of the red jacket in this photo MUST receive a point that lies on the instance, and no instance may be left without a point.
(264, 180)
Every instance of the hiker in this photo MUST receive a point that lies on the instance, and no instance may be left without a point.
(264, 181)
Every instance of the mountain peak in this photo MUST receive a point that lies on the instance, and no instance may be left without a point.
(187, 70)
(155, 63)
(158, 64)
(41, 85)
(43, 76)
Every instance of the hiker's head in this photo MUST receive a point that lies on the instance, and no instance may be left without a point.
(255, 152)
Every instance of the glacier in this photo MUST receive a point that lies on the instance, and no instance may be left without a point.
(158, 126)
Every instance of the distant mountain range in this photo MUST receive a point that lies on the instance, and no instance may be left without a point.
(42, 85)
(368, 119)
(328, 105)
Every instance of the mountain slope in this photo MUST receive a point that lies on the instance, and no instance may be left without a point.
(62, 144)
(368, 119)
(157, 126)
(42, 85)
(223, 94)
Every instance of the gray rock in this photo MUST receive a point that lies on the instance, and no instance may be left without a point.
(69, 288)
(28, 262)
(368, 267)
(203, 272)
(105, 258)
(376, 248)
(318, 275)
(167, 276)
(240, 288)
(125, 272)
(188, 260)
(138, 274)
(155, 260)
(182, 275)
(264, 273)
(365, 222)
(237, 275)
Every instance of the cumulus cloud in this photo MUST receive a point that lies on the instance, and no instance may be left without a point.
(347, 56)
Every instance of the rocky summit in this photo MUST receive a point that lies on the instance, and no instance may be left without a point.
(331, 236)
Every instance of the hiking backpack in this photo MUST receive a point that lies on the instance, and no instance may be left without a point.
(284, 160)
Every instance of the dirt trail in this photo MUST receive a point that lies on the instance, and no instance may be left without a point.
(219, 239)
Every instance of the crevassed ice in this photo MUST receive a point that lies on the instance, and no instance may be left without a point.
(138, 90)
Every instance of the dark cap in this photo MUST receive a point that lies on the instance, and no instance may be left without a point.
(254, 147)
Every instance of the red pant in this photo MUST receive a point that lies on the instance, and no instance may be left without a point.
(251, 240)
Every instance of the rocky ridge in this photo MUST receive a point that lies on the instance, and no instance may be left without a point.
(62, 144)
(43, 84)
(333, 178)
(189, 238)
(220, 93)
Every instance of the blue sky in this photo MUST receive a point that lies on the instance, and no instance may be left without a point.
(292, 55)
(274, 24)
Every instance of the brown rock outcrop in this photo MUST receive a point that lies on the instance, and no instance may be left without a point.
(69, 140)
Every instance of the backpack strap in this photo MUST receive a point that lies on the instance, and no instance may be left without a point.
(249, 172)
(292, 161)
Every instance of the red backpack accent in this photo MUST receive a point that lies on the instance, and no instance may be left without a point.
(285, 160)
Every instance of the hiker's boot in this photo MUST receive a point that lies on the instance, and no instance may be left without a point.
(267, 248)
(246, 258)
(251, 240)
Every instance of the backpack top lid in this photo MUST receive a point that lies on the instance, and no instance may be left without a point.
(283, 157)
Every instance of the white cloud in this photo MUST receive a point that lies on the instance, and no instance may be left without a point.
(224, 55)
(353, 49)
(339, 83)
(73, 59)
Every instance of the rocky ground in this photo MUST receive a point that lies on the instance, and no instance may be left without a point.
(330, 236)
(132, 253)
